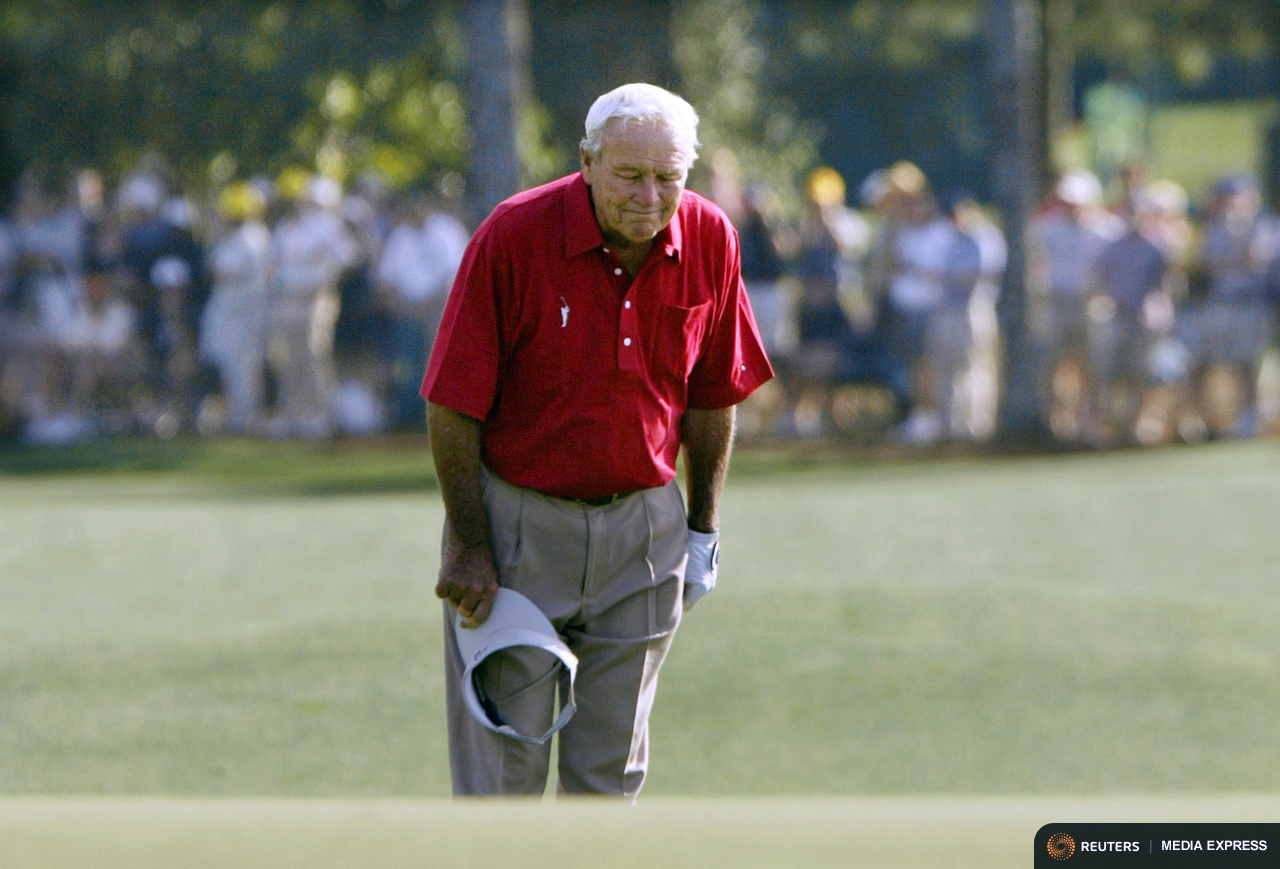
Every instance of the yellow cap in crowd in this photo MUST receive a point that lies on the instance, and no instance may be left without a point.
(241, 201)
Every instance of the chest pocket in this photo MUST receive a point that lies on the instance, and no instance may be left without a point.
(677, 343)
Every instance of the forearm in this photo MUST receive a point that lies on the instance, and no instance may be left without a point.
(455, 449)
(707, 437)
(468, 577)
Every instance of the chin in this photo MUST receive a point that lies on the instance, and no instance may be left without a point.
(640, 234)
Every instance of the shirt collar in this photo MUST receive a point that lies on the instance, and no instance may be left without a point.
(583, 233)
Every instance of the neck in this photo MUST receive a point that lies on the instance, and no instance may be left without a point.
(632, 255)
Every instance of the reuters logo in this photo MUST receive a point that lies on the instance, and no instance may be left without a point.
(1061, 846)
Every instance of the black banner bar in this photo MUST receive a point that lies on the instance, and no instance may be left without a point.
(1205, 846)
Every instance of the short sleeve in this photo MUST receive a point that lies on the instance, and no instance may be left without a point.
(462, 372)
(733, 363)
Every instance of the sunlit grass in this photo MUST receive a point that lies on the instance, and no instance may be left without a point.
(258, 621)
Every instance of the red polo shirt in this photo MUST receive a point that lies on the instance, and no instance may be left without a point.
(579, 373)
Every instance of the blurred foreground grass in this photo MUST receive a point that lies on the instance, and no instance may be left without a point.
(816, 833)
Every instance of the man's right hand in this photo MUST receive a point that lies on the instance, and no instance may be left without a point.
(468, 580)
(468, 576)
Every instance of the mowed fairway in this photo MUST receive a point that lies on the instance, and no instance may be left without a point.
(240, 648)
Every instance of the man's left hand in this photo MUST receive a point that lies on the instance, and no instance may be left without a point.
(704, 561)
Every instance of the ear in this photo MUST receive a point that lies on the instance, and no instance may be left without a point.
(588, 164)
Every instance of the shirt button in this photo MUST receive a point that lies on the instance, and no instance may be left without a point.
(626, 342)
(627, 303)
(617, 271)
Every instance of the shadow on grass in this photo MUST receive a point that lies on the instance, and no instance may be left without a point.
(111, 456)
(402, 463)
(342, 467)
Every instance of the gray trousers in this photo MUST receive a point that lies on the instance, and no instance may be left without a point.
(610, 580)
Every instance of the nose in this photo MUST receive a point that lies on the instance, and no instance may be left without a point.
(647, 191)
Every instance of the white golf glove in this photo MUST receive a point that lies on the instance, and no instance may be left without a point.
(704, 560)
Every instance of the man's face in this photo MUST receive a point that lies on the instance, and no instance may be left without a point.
(637, 180)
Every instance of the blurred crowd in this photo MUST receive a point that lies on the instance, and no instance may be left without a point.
(291, 308)
(282, 308)
(1148, 319)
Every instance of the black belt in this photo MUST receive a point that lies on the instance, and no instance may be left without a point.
(602, 501)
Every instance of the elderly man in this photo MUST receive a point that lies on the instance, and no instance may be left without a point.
(597, 326)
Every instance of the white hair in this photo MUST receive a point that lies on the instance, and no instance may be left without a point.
(644, 103)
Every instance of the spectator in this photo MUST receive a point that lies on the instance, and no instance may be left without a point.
(761, 239)
(762, 262)
(43, 299)
(90, 212)
(834, 348)
(932, 272)
(976, 415)
(1168, 412)
(11, 331)
(948, 331)
(1131, 302)
(165, 265)
(233, 325)
(1230, 328)
(1065, 240)
(103, 355)
(311, 249)
(176, 369)
(892, 194)
(413, 277)
(762, 271)
(360, 334)
(50, 225)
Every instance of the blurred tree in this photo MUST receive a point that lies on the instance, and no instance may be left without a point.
(892, 79)
(723, 65)
(498, 88)
(1015, 55)
(1057, 86)
(889, 80)
(247, 85)
(579, 51)
(1172, 45)
(338, 85)
(402, 118)
(1271, 24)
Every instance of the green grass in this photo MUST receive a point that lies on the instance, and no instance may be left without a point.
(884, 833)
(1082, 624)
(246, 620)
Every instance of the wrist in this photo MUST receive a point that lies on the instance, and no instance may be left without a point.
(474, 539)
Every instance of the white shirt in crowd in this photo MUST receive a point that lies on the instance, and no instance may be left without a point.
(419, 262)
(311, 251)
